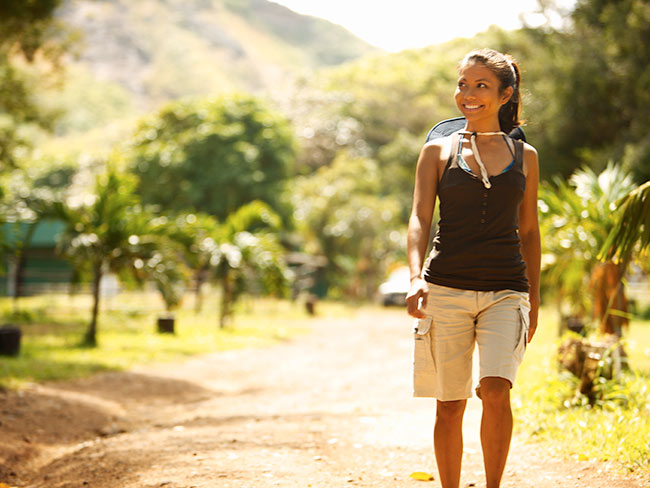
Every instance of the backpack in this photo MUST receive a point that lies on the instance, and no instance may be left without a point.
(449, 126)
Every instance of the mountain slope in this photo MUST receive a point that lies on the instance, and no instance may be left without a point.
(162, 49)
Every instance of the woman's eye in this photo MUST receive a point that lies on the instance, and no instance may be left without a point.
(482, 85)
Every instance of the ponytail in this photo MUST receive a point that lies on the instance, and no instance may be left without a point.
(511, 110)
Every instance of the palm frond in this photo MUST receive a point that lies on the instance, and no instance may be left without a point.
(632, 228)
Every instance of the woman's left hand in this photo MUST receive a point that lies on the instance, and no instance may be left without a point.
(534, 314)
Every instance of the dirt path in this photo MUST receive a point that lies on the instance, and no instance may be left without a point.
(330, 409)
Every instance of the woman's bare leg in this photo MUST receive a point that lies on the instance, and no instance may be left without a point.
(448, 441)
(496, 427)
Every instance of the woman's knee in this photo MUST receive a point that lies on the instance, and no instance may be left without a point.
(495, 391)
(452, 410)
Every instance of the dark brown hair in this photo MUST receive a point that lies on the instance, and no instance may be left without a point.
(506, 70)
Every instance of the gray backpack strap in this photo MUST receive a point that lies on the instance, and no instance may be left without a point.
(449, 126)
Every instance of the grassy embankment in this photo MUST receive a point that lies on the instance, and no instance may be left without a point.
(616, 428)
(53, 326)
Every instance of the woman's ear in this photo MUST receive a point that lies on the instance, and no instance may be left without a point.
(506, 95)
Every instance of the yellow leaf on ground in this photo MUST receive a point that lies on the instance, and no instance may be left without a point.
(419, 475)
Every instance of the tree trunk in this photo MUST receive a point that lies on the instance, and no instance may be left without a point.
(226, 294)
(13, 281)
(609, 298)
(90, 339)
(19, 257)
(198, 298)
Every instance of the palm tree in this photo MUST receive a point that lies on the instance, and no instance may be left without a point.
(631, 234)
(195, 234)
(577, 218)
(108, 231)
(245, 253)
(162, 263)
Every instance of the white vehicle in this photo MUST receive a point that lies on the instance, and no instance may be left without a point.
(393, 291)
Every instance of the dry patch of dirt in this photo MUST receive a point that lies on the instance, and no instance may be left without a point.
(330, 409)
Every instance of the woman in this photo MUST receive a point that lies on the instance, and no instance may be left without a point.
(480, 283)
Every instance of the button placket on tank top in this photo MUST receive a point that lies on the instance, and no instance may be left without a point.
(484, 206)
(485, 179)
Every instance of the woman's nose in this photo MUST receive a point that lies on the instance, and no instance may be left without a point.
(470, 93)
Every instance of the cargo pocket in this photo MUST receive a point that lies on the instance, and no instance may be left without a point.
(522, 334)
(423, 361)
(424, 365)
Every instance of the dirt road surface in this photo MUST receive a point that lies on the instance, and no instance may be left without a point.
(332, 408)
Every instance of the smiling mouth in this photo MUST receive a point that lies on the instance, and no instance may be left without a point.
(472, 107)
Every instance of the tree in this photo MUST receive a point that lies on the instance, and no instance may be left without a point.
(341, 214)
(576, 220)
(246, 253)
(195, 233)
(109, 231)
(164, 266)
(599, 90)
(212, 155)
(28, 33)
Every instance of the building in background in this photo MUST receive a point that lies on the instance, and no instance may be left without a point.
(30, 264)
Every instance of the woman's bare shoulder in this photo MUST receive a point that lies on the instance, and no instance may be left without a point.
(438, 149)
(529, 151)
(530, 159)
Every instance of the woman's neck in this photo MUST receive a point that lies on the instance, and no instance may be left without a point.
(491, 125)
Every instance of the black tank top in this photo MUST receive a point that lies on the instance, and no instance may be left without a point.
(477, 244)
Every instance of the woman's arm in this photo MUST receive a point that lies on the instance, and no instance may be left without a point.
(531, 249)
(424, 197)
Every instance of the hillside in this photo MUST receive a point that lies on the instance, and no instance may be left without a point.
(154, 50)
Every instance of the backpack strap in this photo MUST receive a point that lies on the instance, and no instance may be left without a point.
(449, 126)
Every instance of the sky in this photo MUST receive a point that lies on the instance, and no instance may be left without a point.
(396, 25)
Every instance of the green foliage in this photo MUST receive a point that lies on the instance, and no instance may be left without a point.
(606, 433)
(26, 25)
(631, 235)
(253, 217)
(575, 219)
(548, 410)
(212, 155)
(408, 91)
(247, 256)
(195, 233)
(28, 33)
(84, 102)
(163, 264)
(397, 162)
(320, 126)
(106, 231)
(601, 103)
(341, 215)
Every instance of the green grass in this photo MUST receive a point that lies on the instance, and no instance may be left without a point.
(638, 345)
(616, 428)
(53, 327)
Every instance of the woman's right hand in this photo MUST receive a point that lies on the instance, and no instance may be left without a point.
(419, 290)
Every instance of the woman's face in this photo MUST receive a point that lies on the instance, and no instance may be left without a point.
(478, 94)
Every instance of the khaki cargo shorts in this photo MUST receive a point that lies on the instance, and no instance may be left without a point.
(457, 319)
